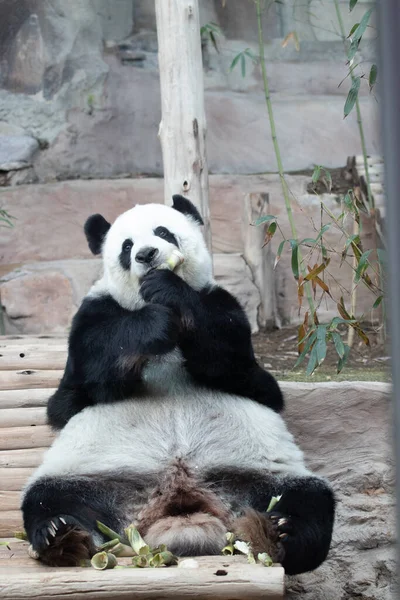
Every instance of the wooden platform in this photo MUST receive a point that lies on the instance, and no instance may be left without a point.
(30, 369)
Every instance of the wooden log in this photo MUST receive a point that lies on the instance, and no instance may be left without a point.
(215, 578)
(25, 398)
(30, 378)
(259, 259)
(42, 339)
(13, 480)
(18, 438)
(32, 357)
(26, 457)
(182, 129)
(9, 500)
(10, 522)
(19, 417)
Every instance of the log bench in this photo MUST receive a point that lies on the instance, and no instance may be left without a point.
(30, 369)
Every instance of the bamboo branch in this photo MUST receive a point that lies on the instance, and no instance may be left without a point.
(277, 151)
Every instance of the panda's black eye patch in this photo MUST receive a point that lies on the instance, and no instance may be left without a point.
(166, 235)
(127, 246)
(125, 254)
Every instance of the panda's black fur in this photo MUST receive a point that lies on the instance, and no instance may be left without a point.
(208, 325)
(166, 418)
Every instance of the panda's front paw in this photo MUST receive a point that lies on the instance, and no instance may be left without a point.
(283, 525)
(163, 287)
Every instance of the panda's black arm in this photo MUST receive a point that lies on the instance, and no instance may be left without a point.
(215, 339)
(107, 348)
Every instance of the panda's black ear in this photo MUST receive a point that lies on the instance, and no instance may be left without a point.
(95, 229)
(184, 206)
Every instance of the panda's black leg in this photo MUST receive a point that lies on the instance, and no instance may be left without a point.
(303, 520)
(60, 517)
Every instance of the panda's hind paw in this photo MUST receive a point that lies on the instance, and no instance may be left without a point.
(61, 541)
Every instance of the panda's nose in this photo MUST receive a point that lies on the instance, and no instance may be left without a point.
(146, 255)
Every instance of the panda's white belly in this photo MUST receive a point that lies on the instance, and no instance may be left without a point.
(207, 429)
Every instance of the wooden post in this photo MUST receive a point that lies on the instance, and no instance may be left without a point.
(183, 124)
(259, 259)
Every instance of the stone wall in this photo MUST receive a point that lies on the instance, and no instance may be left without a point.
(80, 100)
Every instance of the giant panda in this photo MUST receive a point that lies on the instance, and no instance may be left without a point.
(165, 419)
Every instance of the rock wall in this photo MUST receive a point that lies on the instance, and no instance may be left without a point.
(48, 237)
(81, 78)
(80, 99)
(345, 431)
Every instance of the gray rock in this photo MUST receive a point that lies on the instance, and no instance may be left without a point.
(42, 297)
(16, 151)
(344, 430)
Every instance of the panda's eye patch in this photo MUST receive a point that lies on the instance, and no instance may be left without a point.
(161, 232)
(166, 235)
(127, 246)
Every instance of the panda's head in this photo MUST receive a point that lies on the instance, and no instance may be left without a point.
(142, 239)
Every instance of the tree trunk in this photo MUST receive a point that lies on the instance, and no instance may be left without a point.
(183, 125)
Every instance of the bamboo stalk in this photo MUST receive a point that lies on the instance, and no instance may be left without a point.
(277, 151)
(358, 110)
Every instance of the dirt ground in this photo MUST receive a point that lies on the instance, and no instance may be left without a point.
(276, 351)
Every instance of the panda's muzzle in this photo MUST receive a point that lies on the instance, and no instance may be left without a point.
(146, 255)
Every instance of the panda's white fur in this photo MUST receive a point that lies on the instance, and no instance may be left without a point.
(177, 422)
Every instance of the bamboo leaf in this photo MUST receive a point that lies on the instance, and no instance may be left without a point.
(339, 345)
(337, 320)
(308, 241)
(377, 302)
(329, 179)
(316, 174)
(359, 32)
(352, 30)
(316, 271)
(352, 4)
(353, 49)
(300, 292)
(292, 35)
(243, 65)
(322, 285)
(279, 253)
(342, 310)
(312, 363)
(373, 74)
(351, 96)
(348, 201)
(343, 359)
(264, 219)
(235, 61)
(251, 55)
(302, 333)
(270, 233)
(362, 265)
(323, 230)
(312, 336)
(295, 258)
